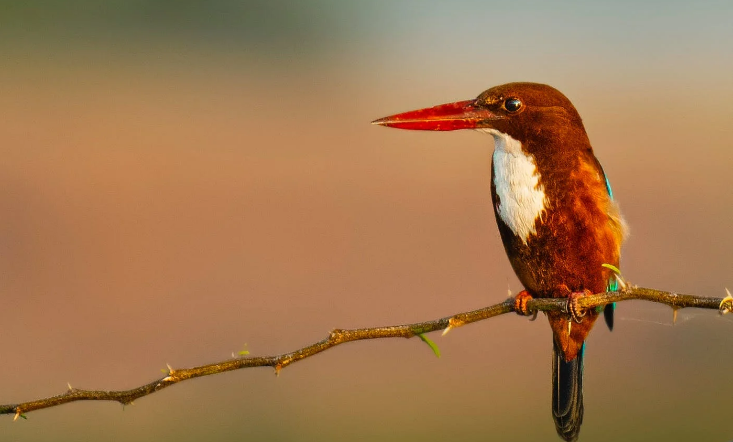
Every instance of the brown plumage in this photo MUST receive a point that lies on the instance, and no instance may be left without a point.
(553, 205)
(581, 227)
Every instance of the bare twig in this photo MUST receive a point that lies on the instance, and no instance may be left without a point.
(338, 336)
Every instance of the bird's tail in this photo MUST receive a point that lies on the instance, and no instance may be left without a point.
(567, 393)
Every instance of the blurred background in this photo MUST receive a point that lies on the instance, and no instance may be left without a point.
(180, 179)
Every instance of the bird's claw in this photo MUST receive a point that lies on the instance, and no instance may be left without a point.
(576, 312)
(520, 304)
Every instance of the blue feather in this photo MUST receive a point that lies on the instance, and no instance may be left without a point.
(613, 282)
(608, 185)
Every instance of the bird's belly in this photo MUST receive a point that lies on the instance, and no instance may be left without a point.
(566, 251)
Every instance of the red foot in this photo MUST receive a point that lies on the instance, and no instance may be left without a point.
(576, 312)
(520, 303)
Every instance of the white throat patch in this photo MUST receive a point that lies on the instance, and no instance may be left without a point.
(521, 199)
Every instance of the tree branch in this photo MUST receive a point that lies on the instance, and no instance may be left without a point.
(339, 336)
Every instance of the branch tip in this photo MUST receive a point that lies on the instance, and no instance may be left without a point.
(726, 305)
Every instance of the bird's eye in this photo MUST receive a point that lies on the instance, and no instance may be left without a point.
(512, 104)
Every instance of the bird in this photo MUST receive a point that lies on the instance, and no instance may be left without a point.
(560, 225)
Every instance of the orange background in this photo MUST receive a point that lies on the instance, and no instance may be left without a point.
(178, 179)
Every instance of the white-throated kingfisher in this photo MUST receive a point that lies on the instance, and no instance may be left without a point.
(555, 211)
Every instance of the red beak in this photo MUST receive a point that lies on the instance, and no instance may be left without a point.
(451, 116)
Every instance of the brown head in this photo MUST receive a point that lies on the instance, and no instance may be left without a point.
(531, 113)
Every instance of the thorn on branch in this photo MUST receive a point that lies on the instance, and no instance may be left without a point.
(171, 372)
(452, 323)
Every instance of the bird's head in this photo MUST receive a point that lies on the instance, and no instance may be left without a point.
(531, 113)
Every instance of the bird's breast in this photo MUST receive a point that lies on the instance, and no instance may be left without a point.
(557, 221)
(521, 199)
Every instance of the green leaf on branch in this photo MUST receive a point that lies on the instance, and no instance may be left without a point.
(433, 346)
